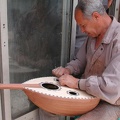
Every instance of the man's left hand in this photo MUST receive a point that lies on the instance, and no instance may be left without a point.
(68, 80)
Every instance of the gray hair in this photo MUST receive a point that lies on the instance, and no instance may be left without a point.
(89, 6)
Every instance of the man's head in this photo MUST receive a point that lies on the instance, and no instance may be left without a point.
(89, 15)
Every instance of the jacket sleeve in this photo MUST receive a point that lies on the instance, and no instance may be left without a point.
(77, 65)
(107, 86)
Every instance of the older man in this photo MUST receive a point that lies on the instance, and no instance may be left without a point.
(98, 60)
(81, 37)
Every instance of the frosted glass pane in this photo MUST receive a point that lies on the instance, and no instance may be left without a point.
(34, 31)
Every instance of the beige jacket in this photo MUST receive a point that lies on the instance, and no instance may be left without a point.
(101, 67)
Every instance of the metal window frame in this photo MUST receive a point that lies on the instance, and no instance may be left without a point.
(66, 31)
(4, 65)
(73, 31)
(5, 103)
(117, 9)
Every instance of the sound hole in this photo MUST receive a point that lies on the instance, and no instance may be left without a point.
(50, 86)
(73, 93)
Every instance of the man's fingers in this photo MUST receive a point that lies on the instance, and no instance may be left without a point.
(58, 71)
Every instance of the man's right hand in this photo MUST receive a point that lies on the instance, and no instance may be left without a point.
(59, 71)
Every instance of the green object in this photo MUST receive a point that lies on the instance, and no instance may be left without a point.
(76, 117)
(118, 119)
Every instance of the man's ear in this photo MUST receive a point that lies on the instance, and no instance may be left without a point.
(96, 15)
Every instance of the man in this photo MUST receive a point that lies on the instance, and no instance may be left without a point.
(97, 61)
(81, 37)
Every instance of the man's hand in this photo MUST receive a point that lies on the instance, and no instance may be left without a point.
(68, 80)
(58, 72)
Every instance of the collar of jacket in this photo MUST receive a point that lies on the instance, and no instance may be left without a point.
(110, 31)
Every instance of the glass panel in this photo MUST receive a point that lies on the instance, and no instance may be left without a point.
(34, 31)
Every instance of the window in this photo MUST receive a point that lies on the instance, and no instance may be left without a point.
(35, 43)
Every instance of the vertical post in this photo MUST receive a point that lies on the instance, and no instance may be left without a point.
(73, 31)
(117, 9)
(4, 64)
(66, 31)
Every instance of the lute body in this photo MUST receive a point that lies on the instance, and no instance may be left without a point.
(46, 93)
